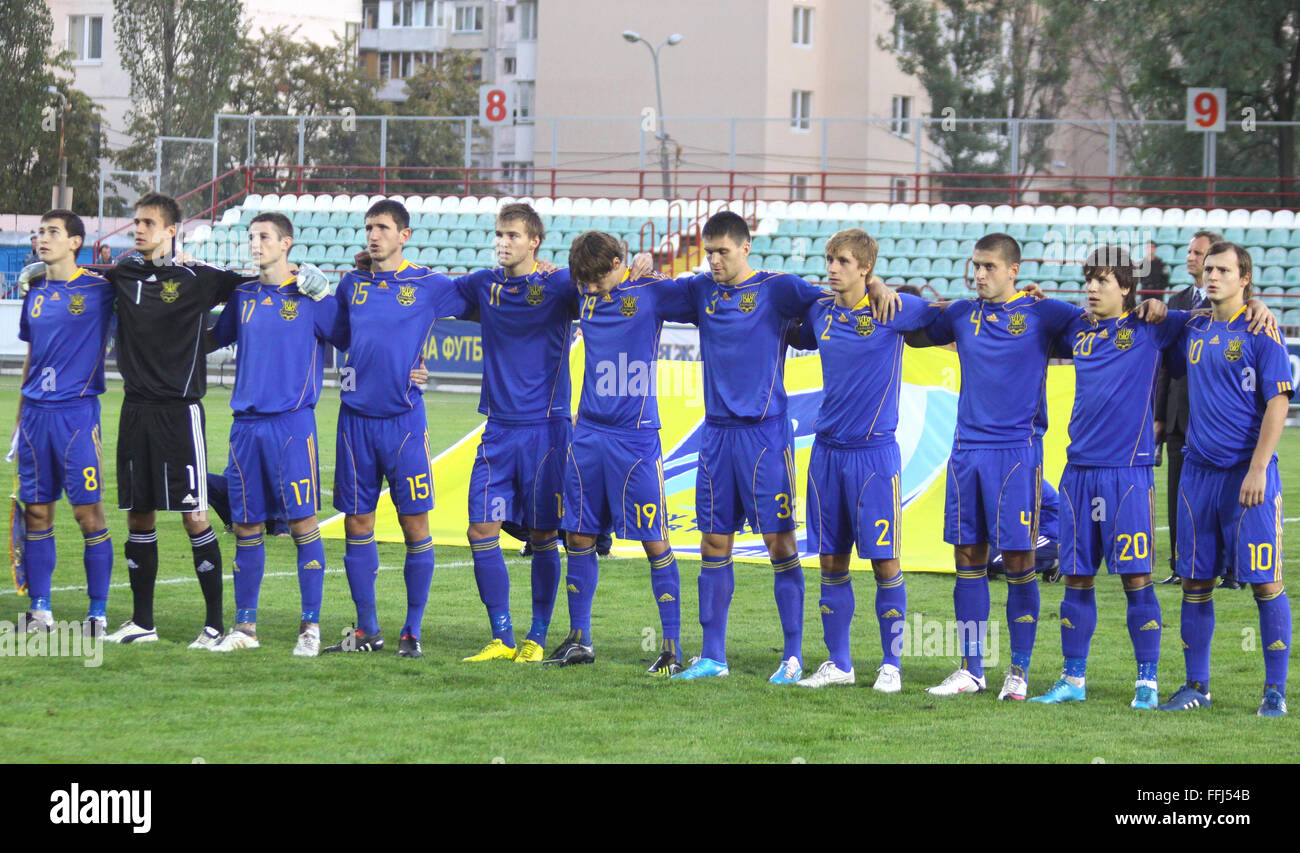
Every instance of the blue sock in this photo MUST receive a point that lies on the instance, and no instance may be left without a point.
(1275, 631)
(417, 571)
(787, 587)
(1197, 630)
(837, 604)
(717, 583)
(39, 557)
(970, 603)
(1078, 623)
(665, 584)
(546, 585)
(361, 565)
(584, 572)
(249, 566)
(1022, 617)
(493, 586)
(311, 573)
(98, 560)
(891, 613)
(1144, 628)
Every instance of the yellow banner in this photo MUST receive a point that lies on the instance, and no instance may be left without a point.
(927, 418)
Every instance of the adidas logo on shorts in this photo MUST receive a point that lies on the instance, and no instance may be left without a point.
(189, 500)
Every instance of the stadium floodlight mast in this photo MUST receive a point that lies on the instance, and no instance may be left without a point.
(61, 201)
(662, 135)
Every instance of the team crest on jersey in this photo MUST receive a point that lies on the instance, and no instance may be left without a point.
(406, 295)
(77, 304)
(1016, 323)
(171, 291)
(628, 308)
(748, 302)
(1123, 339)
(1233, 352)
(865, 327)
(289, 309)
(536, 293)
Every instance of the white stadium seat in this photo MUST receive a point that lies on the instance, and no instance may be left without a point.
(1087, 215)
(270, 202)
(838, 210)
(878, 211)
(1216, 218)
(1284, 219)
(1261, 219)
(981, 213)
(1239, 219)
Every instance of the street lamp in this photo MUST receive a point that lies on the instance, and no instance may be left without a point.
(662, 135)
(63, 161)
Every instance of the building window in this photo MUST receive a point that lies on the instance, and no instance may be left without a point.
(901, 126)
(403, 12)
(435, 13)
(509, 65)
(510, 14)
(524, 99)
(86, 37)
(476, 69)
(898, 190)
(517, 178)
(400, 65)
(370, 16)
(900, 36)
(803, 17)
(469, 19)
(800, 110)
(798, 188)
(352, 34)
(528, 20)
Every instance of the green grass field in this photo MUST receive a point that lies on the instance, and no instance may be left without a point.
(163, 703)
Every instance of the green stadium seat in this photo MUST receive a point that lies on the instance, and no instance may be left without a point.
(774, 263)
(1019, 230)
(318, 218)
(760, 244)
(340, 218)
(316, 254)
(782, 245)
(819, 245)
(919, 266)
(1167, 252)
(905, 247)
(1293, 257)
(561, 259)
(809, 227)
(334, 254)
(1256, 253)
(246, 216)
(326, 235)
(890, 228)
(1035, 231)
(486, 257)
(1166, 234)
(1276, 256)
(458, 270)
(446, 255)
(563, 222)
(787, 227)
(579, 223)
(815, 266)
(618, 223)
(466, 221)
(1292, 276)
(1256, 237)
(950, 231)
(479, 239)
(1272, 275)
(941, 266)
(1235, 235)
(1029, 270)
(428, 256)
(947, 249)
(885, 246)
(458, 239)
(1050, 271)
(927, 248)
(438, 237)
(419, 239)
(486, 222)
(466, 256)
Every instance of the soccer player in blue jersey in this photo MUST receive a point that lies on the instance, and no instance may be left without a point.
(1003, 339)
(65, 321)
(854, 474)
(386, 315)
(614, 480)
(1230, 494)
(746, 467)
(274, 465)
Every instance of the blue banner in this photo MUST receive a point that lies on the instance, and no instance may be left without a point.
(456, 346)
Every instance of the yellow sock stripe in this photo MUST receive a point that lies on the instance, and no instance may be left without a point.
(1027, 577)
(1146, 585)
(1197, 597)
(361, 540)
(1269, 597)
(485, 545)
(582, 552)
(1084, 588)
(787, 564)
(892, 583)
(33, 536)
(307, 538)
(971, 574)
(96, 540)
(715, 564)
(663, 561)
(836, 580)
(420, 547)
(250, 542)
(548, 545)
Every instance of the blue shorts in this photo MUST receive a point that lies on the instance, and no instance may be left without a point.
(519, 474)
(1107, 514)
(58, 451)
(368, 450)
(1216, 534)
(746, 473)
(614, 483)
(854, 496)
(993, 498)
(274, 467)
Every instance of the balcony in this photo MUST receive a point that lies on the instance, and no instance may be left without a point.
(411, 39)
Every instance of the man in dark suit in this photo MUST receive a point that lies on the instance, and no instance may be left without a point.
(1171, 408)
(1155, 281)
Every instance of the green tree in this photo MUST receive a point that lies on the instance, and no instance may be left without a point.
(447, 88)
(993, 59)
(181, 57)
(29, 135)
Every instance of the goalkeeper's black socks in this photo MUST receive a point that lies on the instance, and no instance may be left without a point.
(207, 566)
(142, 568)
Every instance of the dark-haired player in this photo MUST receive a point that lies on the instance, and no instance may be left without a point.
(65, 321)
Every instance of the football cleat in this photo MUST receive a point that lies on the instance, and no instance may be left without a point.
(665, 666)
(888, 679)
(1273, 704)
(826, 675)
(703, 668)
(36, 621)
(1014, 687)
(1146, 697)
(206, 639)
(959, 682)
(308, 645)
(530, 652)
(358, 641)
(94, 628)
(238, 638)
(495, 650)
(789, 672)
(569, 653)
(1062, 691)
(409, 647)
(129, 632)
(1186, 698)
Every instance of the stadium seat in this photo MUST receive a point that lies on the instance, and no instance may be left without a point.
(941, 266)
(419, 238)
(427, 256)
(1256, 253)
(308, 235)
(1292, 276)
(485, 257)
(447, 255)
(927, 248)
(315, 254)
(1275, 256)
(334, 254)
(1272, 275)
(815, 267)
(905, 247)
(1029, 270)
(919, 266)
(458, 238)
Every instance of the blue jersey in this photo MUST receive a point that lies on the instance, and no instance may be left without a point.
(67, 324)
(620, 332)
(282, 337)
(1115, 364)
(526, 326)
(386, 319)
(862, 367)
(1231, 376)
(1003, 347)
(743, 331)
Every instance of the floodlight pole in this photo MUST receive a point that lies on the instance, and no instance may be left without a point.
(662, 134)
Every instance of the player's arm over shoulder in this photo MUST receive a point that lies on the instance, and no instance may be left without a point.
(941, 324)
(673, 299)
(793, 294)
